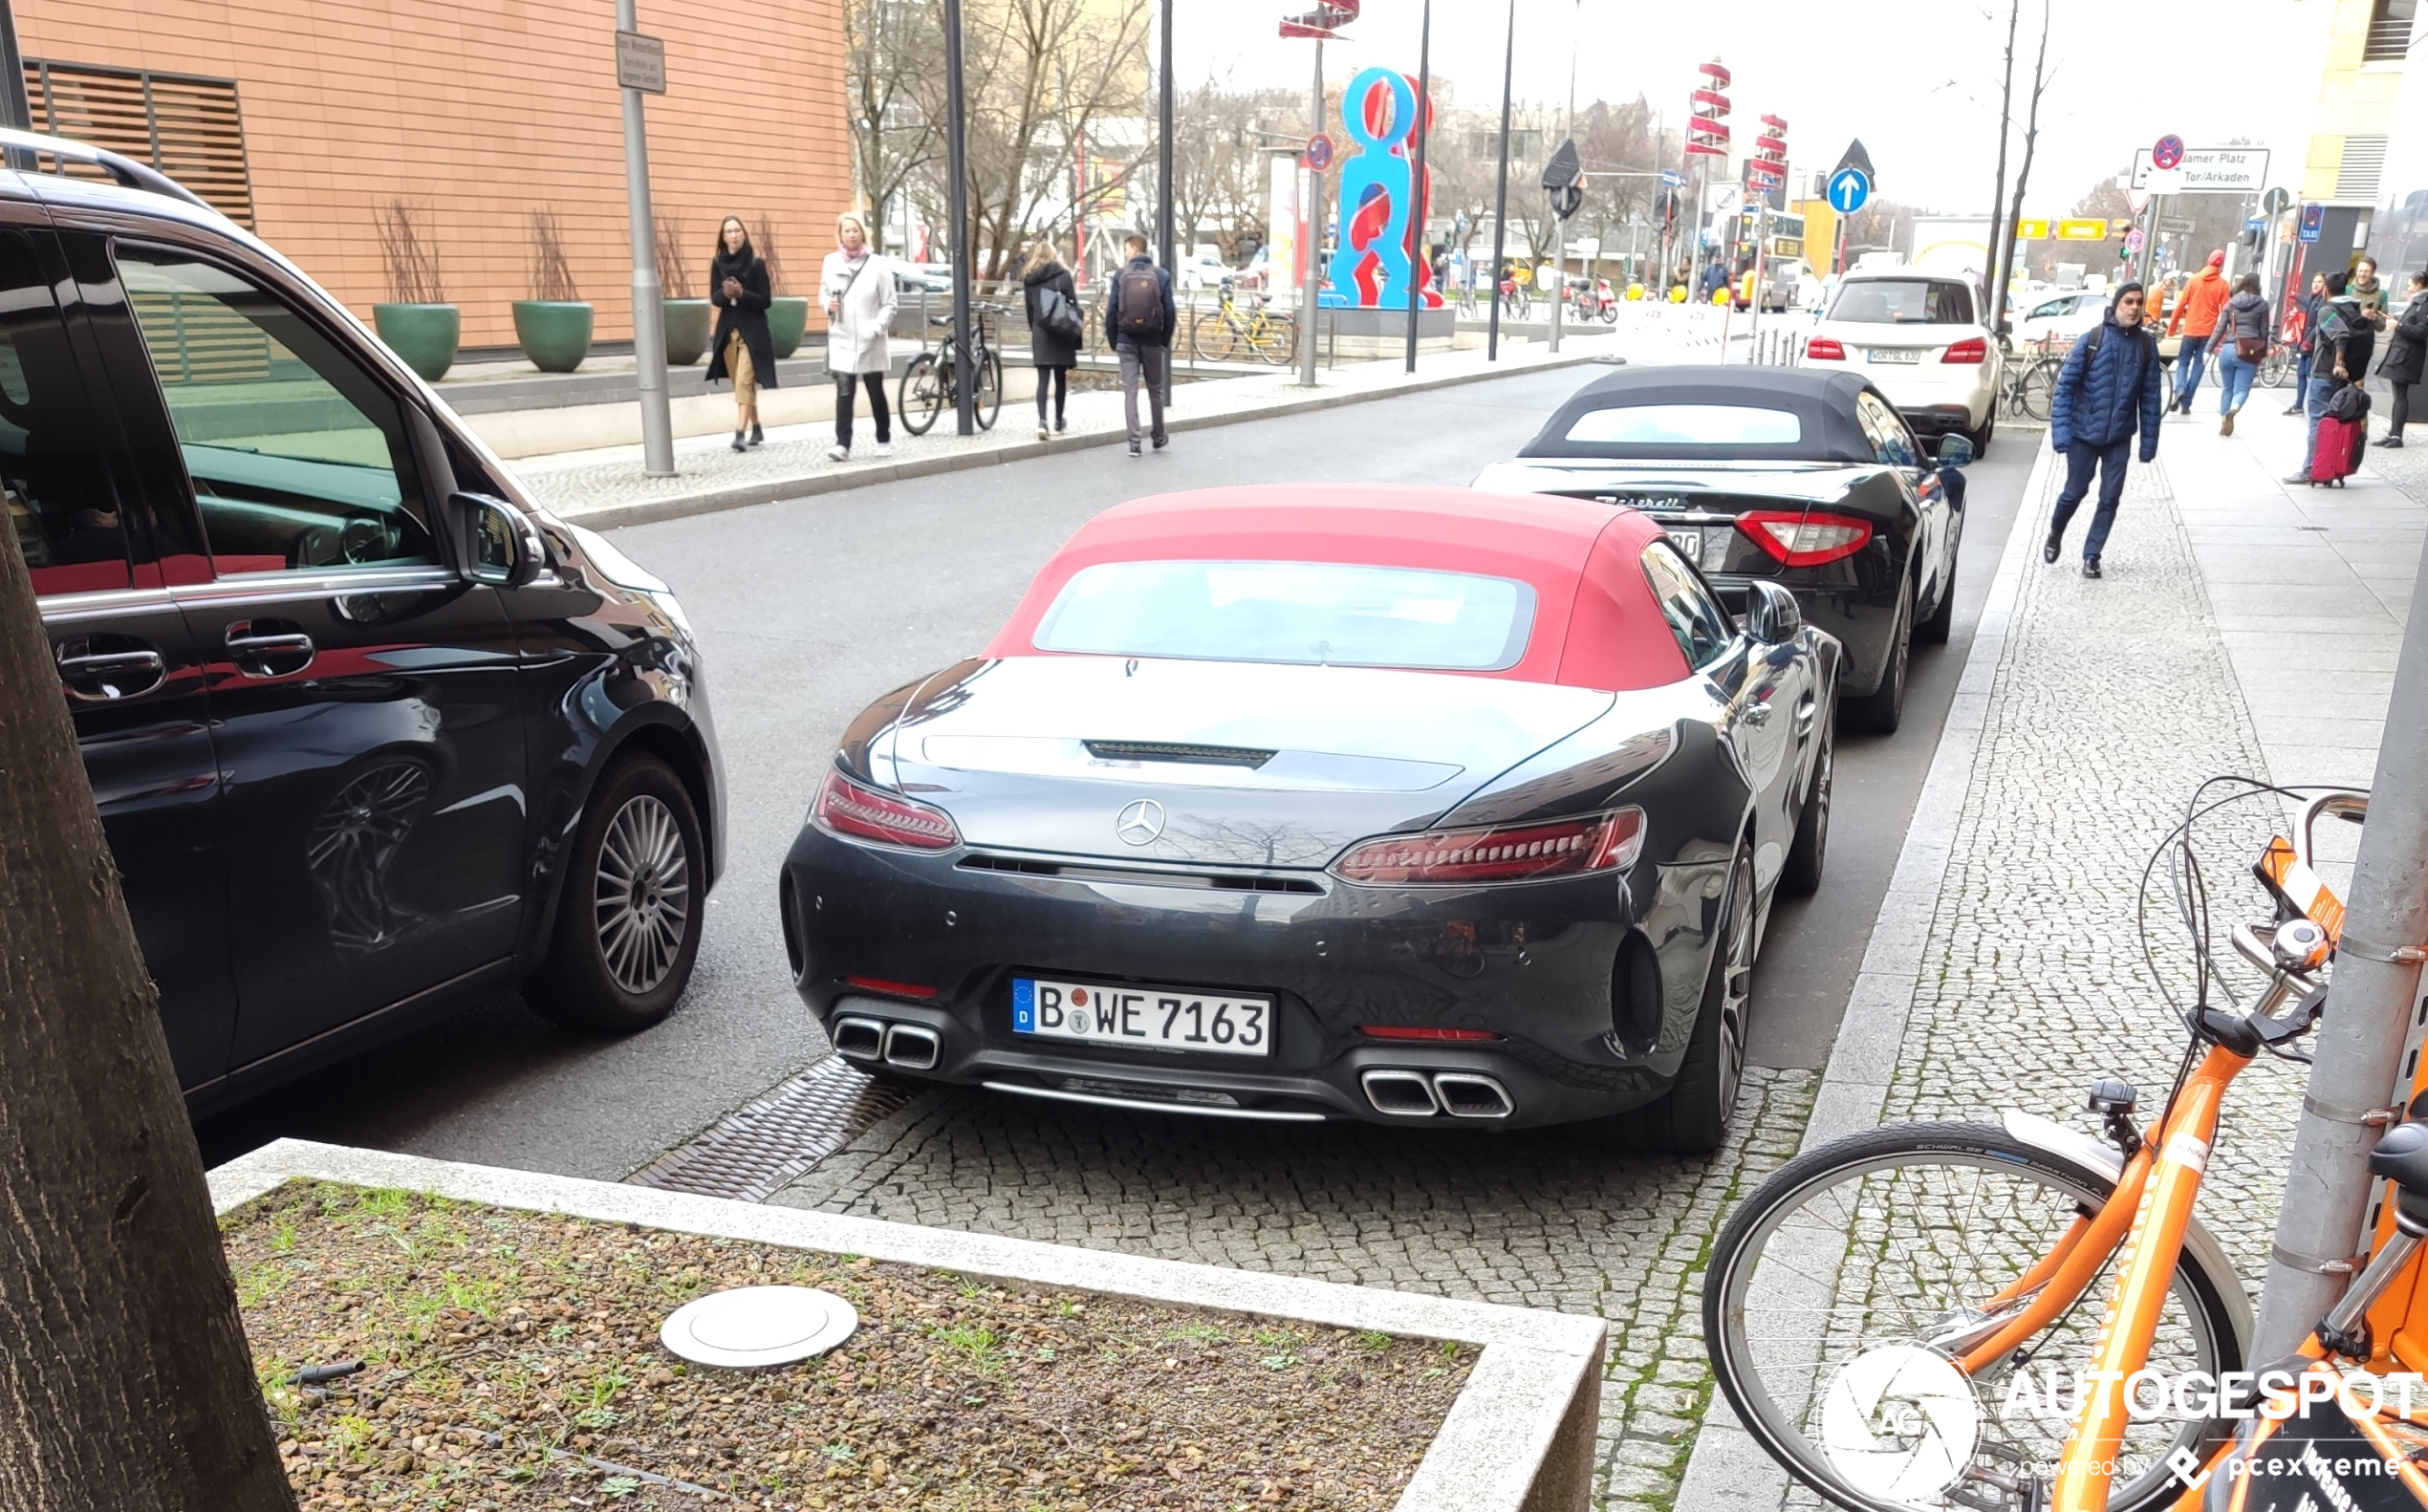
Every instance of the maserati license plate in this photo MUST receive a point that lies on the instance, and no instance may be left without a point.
(1895, 355)
(1690, 543)
(1148, 1017)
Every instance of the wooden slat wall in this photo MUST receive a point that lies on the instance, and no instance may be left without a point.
(197, 340)
(188, 127)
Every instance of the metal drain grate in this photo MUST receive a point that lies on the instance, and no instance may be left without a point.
(752, 1151)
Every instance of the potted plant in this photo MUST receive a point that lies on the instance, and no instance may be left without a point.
(788, 315)
(554, 325)
(686, 319)
(417, 322)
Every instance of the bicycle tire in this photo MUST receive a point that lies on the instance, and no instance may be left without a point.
(989, 398)
(1942, 1236)
(2038, 389)
(2276, 369)
(922, 396)
(1281, 340)
(1217, 344)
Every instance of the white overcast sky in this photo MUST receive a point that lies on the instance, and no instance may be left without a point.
(1918, 80)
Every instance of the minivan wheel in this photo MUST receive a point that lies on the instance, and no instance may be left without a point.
(633, 905)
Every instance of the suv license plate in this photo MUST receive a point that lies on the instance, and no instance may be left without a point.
(1895, 355)
(1688, 542)
(1149, 1018)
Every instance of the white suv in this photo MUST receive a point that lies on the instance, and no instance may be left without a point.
(1918, 336)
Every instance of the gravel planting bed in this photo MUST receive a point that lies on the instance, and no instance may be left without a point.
(511, 1359)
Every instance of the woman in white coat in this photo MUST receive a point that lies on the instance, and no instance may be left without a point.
(858, 287)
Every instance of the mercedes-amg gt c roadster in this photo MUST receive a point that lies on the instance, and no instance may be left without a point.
(1409, 805)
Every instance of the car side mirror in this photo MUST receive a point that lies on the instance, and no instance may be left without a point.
(1771, 614)
(1955, 451)
(496, 543)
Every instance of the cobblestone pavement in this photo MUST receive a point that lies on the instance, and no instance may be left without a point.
(1525, 1218)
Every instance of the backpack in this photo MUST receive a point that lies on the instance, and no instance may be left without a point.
(1138, 292)
(1058, 315)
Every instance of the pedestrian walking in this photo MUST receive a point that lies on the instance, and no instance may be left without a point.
(2339, 355)
(744, 351)
(2307, 307)
(2241, 340)
(2107, 392)
(857, 286)
(2195, 317)
(1055, 327)
(2406, 358)
(1139, 318)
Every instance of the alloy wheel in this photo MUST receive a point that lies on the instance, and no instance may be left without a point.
(643, 894)
(1736, 988)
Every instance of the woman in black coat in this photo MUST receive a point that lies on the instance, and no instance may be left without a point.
(744, 352)
(2406, 357)
(1054, 356)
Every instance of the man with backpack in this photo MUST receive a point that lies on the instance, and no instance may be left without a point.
(1138, 320)
(2107, 391)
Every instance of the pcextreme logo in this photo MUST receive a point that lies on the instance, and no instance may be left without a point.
(1900, 1422)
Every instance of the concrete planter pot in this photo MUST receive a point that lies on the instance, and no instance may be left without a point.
(687, 331)
(554, 334)
(787, 317)
(424, 335)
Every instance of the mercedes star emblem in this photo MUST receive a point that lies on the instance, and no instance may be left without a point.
(1141, 822)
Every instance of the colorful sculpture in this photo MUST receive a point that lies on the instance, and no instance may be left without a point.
(1374, 250)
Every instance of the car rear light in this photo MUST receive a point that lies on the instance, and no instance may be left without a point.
(1824, 349)
(1496, 853)
(1806, 539)
(1972, 349)
(859, 813)
(1397, 1031)
(892, 989)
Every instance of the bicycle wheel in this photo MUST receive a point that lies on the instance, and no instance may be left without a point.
(1278, 340)
(923, 395)
(2276, 369)
(989, 398)
(2166, 387)
(2038, 389)
(1904, 1236)
(1218, 341)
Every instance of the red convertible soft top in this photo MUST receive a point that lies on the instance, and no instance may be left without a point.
(1596, 624)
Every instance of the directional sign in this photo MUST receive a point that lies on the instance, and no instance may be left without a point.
(1670, 178)
(2082, 231)
(2313, 221)
(2203, 170)
(2031, 230)
(1319, 152)
(2168, 153)
(1848, 189)
(2255, 222)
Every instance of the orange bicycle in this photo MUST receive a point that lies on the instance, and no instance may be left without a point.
(1903, 1317)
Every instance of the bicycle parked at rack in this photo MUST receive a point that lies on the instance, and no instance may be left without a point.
(1869, 1286)
(928, 384)
(1256, 333)
(2028, 386)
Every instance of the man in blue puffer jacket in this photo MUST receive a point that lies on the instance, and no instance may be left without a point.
(2108, 390)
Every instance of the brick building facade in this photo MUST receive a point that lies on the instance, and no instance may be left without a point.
(308, 118)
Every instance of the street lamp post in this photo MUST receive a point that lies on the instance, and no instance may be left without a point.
(648, 317)
(1500, 193)
(1165, 232)
(1310, 218)
(1420, 201)
(956, 197)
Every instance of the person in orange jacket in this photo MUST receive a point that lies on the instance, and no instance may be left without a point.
(2195, 317)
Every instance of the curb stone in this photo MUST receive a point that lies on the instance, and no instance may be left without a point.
(1519, 1438)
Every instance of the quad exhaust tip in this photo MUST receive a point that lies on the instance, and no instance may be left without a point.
(912, 1047)
(859, 1038)
(1417, 1094)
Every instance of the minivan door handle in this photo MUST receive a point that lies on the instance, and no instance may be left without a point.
(100, 669)
(268, 648)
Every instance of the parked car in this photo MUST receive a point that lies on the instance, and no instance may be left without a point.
(1409, 805)
(1204, 271)
(1919, 338)
(2064, 317)
(371, 733)
(1805, 478)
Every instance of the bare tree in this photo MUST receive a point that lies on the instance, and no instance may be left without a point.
(894, 79)
(1217, 164)
(2003, 230)
(413, 263)
(128, 1383)
(2000, 250)
(552, 277)
(674, 258)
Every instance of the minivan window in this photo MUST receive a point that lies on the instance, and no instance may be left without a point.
(300, 461)
(52, 475)
(1904, 302)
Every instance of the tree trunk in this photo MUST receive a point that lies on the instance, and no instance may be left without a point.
(2000, 250)
(2023, 170)
(124, 1379)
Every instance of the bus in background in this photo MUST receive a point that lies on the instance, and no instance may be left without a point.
(1782, 261)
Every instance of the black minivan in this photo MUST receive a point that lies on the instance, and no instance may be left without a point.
(371, 734)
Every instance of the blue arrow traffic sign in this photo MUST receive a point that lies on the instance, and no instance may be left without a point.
(1848, 189)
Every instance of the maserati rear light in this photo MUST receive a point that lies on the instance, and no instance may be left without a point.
(1972, 349)
(1496, 853)
(1805, 539)
(1824, 349)
(1397, 1031)
(857, 811)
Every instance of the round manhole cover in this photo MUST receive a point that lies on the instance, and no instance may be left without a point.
(754, 1326)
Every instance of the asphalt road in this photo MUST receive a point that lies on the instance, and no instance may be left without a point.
(809, 609)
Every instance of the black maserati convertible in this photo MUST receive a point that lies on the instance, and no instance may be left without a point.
(1803, 478)
(1401, 803)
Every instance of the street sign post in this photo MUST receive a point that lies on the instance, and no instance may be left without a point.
(1319, 151)
(2168, 153)
(1848, 189)
(2313, 221)
(2133, 239)
(641, 68)
(641, 63)
(2138, 198)
(2203, 170)
(2275, 201)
